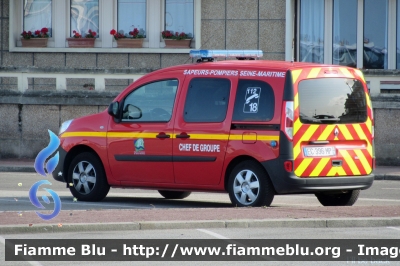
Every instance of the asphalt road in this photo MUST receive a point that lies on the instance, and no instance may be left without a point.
(15, 188)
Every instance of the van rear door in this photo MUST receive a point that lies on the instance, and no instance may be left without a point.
(333, 128)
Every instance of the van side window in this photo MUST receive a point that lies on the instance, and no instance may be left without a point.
(207, 100)
(254, 101)
(152, 102)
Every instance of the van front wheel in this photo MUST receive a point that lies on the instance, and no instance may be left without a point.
(250, 186)
(347, 198)
(87, 179)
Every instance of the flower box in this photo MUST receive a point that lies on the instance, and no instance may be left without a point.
(171, 43)
(130, 43)
(34, 42)
(81, 42)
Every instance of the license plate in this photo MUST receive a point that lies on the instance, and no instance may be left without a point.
(319, 151)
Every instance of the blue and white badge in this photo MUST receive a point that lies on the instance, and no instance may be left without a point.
(252, 99)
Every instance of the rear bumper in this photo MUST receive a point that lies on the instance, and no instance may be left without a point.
(287, 183)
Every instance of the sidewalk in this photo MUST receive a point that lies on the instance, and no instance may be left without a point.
(27, 165)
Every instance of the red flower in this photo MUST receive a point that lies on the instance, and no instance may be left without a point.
(113, 32)
(93, 33)
(44, 30)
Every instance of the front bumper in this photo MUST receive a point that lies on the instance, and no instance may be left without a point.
(58, 173)
(288, 183)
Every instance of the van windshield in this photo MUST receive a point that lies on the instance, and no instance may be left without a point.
(332, 101)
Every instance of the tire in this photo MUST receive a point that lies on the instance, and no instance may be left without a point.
(250, 186)
(170, 194)
(347, 198)
(88, 179)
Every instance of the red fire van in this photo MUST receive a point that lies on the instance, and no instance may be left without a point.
(252, 128)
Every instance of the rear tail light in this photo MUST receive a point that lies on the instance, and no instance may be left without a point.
(373, 164)
(288, 165)
(287, 122)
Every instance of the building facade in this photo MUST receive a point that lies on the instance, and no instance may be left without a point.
(42, 87)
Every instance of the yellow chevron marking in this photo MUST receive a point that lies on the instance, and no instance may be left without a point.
(345, 131)
(84, 134)
(314, 73)
(328, 130)
(364, 161)
(332, 172)
(360, 74)
(336, 170)
(310, 131)
(368, 100)
(303, 166)
(295, 75)
(296, 101)
(296, 126)
(320, 166)
(362, 136)
(369, 125)
(353, 167)
(341, 171)
(346, 72)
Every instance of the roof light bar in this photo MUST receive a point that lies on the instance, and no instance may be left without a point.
(226, 53)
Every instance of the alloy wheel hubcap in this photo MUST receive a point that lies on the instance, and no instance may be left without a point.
(246, 187)
(84, 177)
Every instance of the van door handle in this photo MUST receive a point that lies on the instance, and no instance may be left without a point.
(183, 136)
(163, 136)
(319, 142)
(336, 163)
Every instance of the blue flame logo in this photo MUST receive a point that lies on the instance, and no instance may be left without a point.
(40, 169)
(33, 198)
(45, 153)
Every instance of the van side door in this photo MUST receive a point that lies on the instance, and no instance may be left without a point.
(140, 145)
(201, 129)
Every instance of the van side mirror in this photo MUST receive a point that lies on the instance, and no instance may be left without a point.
(113, 109)
(131, 112)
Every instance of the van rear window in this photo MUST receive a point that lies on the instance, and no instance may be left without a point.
(332, 101)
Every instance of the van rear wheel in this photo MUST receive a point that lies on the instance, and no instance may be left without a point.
(347, 198)
(170, 194)
(250, 186)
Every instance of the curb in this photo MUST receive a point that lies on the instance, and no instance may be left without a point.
(387, 177)
(25, 169)
(165, 225)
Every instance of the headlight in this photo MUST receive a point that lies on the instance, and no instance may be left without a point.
(64, 126)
